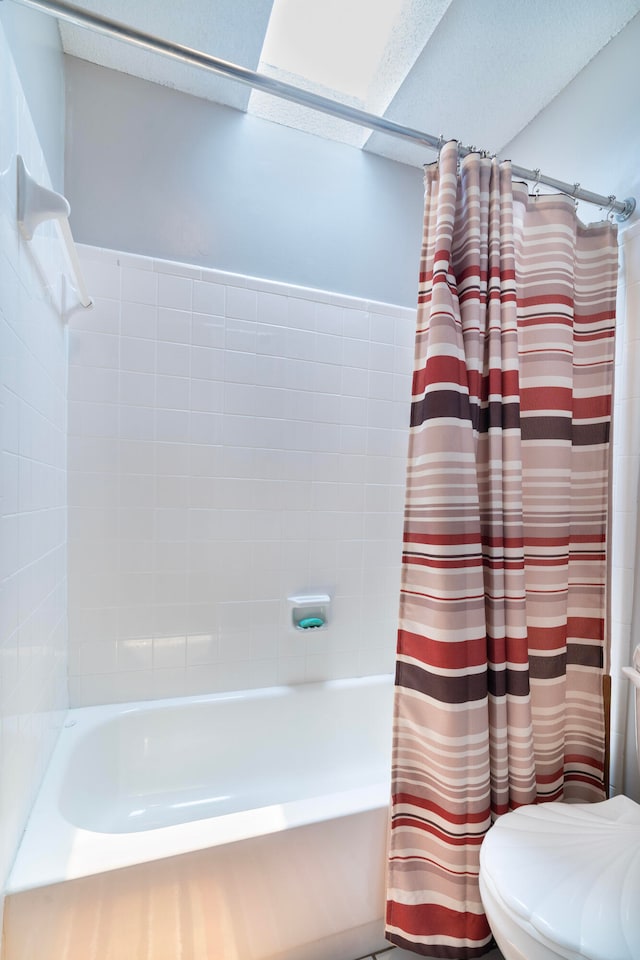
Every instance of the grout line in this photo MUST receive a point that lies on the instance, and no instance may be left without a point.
(378, 953)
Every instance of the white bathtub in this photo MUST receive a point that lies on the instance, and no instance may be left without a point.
(239, 826)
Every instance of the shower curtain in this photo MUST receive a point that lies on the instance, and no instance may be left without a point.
(501, 640)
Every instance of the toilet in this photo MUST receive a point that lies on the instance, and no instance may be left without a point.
(561, 881)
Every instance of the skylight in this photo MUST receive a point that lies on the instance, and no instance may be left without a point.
(336, 44)
(356, 51)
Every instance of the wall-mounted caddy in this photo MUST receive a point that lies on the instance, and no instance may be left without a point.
(310, 611)
(37, 204)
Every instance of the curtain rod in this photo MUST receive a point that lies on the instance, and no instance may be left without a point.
(286, 91)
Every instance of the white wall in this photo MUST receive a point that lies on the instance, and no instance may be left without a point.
(232, 442)
(591, 134)
(34, 41)
(33, 519)
(153, 171)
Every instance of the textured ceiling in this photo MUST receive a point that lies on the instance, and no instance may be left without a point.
(477, 70)
(229, 29)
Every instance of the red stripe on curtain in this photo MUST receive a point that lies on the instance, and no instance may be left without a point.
(443, 918)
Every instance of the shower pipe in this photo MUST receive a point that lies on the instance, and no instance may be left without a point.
(286, 91)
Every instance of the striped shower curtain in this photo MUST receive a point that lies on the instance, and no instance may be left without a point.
(502, 614)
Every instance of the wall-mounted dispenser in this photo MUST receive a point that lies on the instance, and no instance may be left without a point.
(310, 612)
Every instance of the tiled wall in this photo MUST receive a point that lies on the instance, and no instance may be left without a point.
(33, 520)
(231, 442)
(625, 608)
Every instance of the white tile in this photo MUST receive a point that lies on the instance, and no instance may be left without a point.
(301, 313)
(354, 353)
(103, 317)
(271, 341)
(138, 320)
(172, 359)
(241, 335)
(381, 356)
(170, 619)
(240, 367)
(168, 682)
(171, 586)
(172, 459)
(137, 389)
(242, 399)
(329, 319)
(354, 382)
(272, 308)
(171, 426)
(382, 329)
(135, 621)
(136, 523)
(169, 652)
(174, 326)
(93, 349)
(386, 414)
(132, 456)
(135, 653)
(207, 396)
(93, 383)
(172, 492)
(175, 292)
(356, 323)
(354, 411)
(139, 286)
(405, 331)
(171, 524)
(381, 385)
(92, 490)
(241, 304)
(172, 393)
(205, 428)
(136, 423)
(325, 408)
(137, 355)
(207, 363)
(209, 298)
(207, 331)
(102, 279)
(93, 419)
(291, 670)
(203, 678)
(97, 657)
(136, 491)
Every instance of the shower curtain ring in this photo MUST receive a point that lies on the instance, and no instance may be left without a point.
(576, 187)
(536, 183)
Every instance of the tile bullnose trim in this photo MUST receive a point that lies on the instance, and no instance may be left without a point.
(260, 284)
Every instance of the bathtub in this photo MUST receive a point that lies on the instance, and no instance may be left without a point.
(239, 826)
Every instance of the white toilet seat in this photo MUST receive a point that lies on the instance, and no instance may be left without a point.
(566, 878)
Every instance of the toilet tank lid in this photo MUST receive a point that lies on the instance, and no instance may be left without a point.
(572, 872)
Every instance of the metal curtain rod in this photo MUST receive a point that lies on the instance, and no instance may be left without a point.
(286, 91)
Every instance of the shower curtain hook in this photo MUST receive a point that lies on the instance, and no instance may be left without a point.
(610, 209)
(576, 187)
(536, 183)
